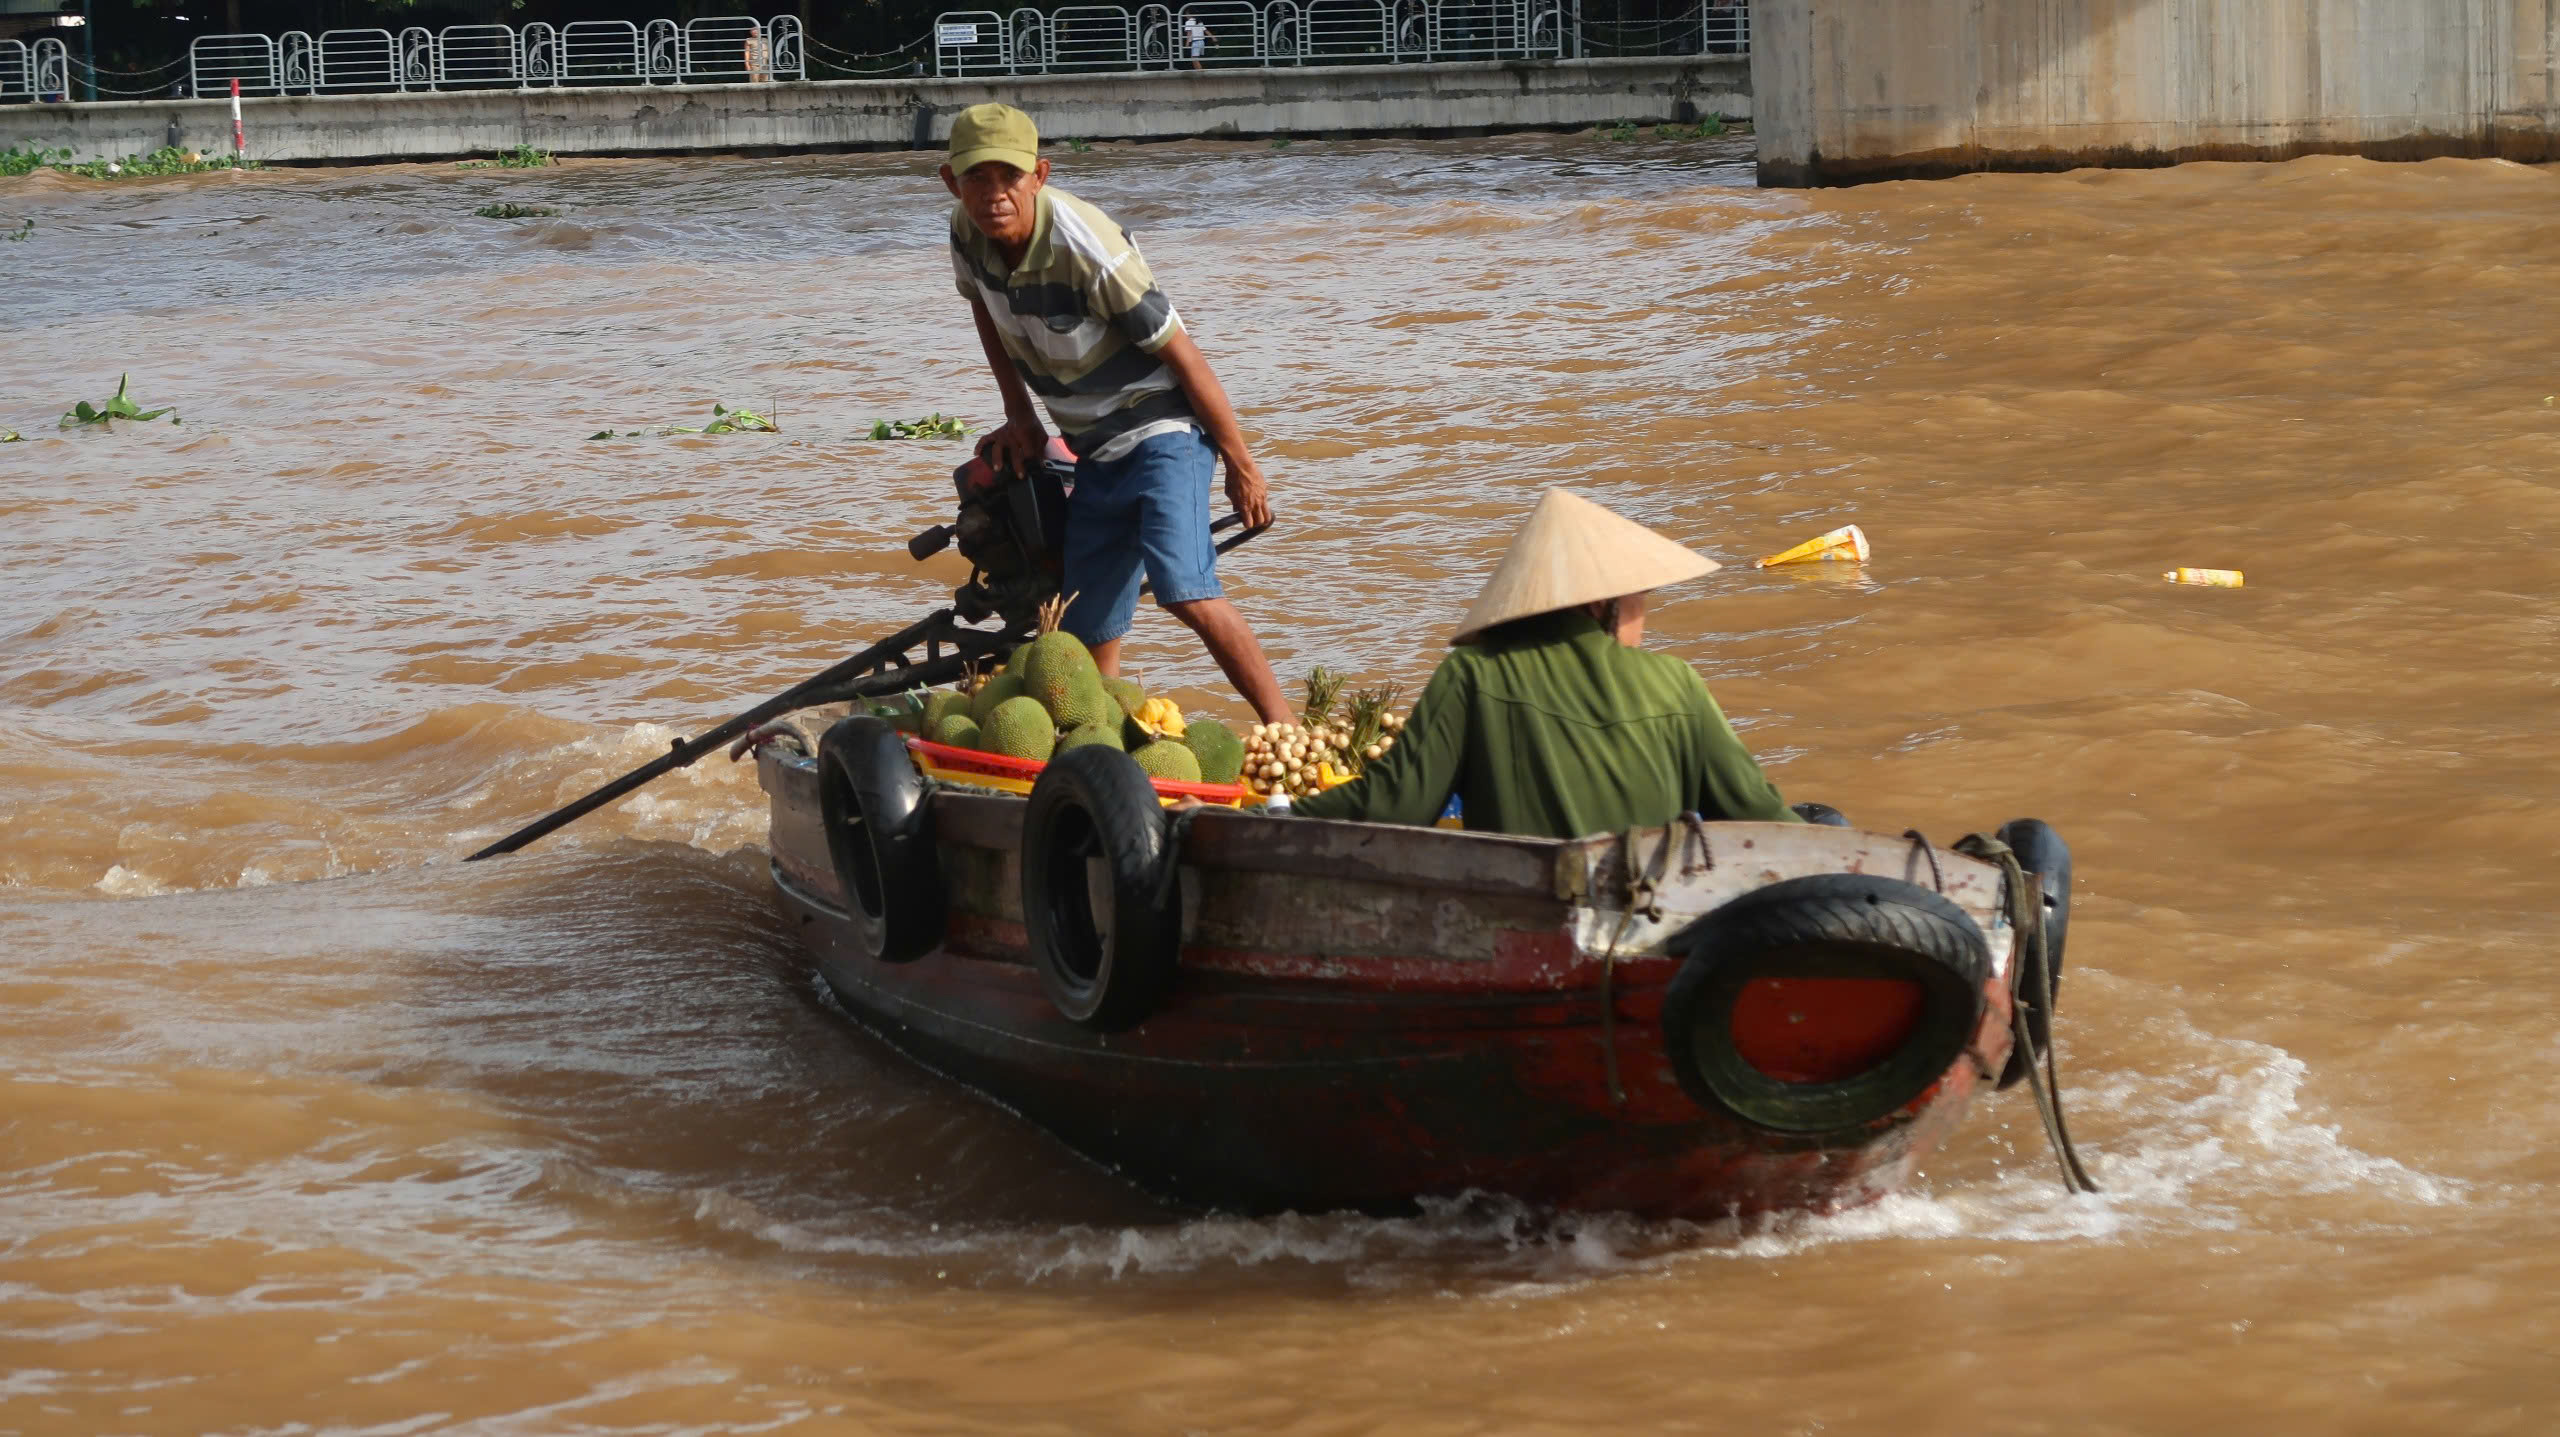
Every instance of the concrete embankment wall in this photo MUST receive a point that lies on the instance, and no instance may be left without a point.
(909, 113)
(1850, 90)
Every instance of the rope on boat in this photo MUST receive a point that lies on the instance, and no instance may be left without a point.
(1920, 847)
(1644, 898)
(2030, 963)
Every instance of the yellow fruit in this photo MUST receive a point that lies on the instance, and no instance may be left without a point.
(1161, 717)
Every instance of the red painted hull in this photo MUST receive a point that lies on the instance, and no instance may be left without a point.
(1353, 1039)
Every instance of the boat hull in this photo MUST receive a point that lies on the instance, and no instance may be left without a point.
(1366, 1017)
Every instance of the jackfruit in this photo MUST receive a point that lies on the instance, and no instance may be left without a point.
(1055, 664)
(1124, 692)
(1161, 717)
(1167, 759)
(957, 730)
(1220, 752)
(1020, 728)
(995, 691)
(1106, 734)
(940, 705)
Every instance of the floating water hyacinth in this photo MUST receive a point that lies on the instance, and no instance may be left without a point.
(936, 425)
(515, 212)
(724, 420)
(120, 407)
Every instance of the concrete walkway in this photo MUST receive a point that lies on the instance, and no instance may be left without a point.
(1450, 99)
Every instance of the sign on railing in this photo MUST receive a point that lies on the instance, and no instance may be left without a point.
(971, 42)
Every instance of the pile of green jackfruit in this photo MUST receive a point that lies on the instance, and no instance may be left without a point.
(1049, 696)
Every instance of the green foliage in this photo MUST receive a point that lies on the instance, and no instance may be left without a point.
(166, 160)
(1079, 147)
(1280, 143)
(515, 212)
(1706, 129)
(730, 421)
(83, 413)
(12, 436)
(23, 230)
(724, 420)
(1619, 132)
(524, 157)
(471, 164)
(936, 425)
(15, 161)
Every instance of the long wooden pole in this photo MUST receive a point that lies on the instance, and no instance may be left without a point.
(822, 688)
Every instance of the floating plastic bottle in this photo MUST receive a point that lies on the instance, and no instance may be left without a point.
(2211, 578)
(1845, 545)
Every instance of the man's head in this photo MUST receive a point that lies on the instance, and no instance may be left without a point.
(996, 172)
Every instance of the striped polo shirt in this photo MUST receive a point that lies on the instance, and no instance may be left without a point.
(1083, 320)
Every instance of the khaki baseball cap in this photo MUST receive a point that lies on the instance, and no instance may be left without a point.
(993, 132)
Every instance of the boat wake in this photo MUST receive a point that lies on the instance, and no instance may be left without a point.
(2201, 1148)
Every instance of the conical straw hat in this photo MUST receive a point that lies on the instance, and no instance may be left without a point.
(1571, 552)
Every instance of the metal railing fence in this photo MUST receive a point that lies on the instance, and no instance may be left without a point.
(731, 49)
(17, 71)
(1221, 34)
(713, 50)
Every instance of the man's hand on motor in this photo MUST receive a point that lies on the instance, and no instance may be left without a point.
(1247, 491)
(1016, 446)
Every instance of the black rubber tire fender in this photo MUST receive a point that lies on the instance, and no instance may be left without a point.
(1098, 901)
(1832, 925)
(2046, 858)
(879, 824)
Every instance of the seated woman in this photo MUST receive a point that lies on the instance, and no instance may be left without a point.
(1546, 719)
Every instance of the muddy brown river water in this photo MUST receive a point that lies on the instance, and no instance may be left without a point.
(304, 1127)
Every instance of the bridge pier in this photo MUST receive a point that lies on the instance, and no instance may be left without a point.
(1851, 90)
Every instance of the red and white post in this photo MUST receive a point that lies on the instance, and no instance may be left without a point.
(239, 136)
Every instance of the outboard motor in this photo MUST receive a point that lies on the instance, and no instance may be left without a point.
(1012, 530)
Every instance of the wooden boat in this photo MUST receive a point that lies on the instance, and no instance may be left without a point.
(1356, 1016)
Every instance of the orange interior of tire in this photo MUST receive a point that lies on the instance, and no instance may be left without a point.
(1821, 1030)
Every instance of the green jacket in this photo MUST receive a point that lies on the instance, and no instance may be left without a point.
(1552, 728)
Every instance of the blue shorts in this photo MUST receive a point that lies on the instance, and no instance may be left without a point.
(1146, 510)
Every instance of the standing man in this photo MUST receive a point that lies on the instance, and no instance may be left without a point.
(1195, 38)
(1066, 306)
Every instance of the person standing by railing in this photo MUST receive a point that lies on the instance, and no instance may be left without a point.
(759, 56)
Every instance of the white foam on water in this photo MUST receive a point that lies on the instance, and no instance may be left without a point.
(123, 882)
